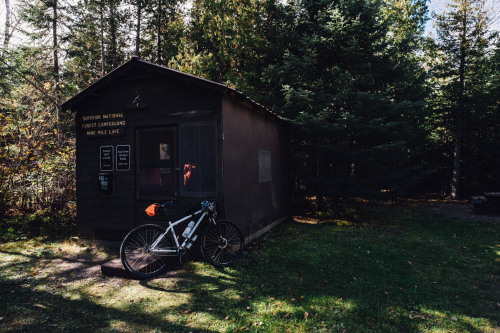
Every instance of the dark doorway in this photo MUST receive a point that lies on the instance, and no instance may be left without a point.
(198, 157)
(156, 161)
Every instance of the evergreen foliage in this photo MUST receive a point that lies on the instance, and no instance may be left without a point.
(375, 108)
(353, 87)
(163, 30)
(461, 96)
(97, 41)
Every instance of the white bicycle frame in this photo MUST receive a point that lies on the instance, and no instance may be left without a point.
(170, 228)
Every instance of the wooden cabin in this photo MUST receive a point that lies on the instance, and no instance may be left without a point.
(146, 133)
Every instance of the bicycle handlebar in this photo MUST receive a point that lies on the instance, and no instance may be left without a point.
(209, 206)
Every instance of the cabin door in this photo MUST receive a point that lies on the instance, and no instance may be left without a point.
(156, 163)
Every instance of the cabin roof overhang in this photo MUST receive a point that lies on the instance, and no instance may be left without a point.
(134, 62)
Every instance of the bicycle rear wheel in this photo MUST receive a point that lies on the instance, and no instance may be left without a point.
(222, 243)
(136, 255)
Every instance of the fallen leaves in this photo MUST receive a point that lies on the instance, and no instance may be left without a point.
(416, 315)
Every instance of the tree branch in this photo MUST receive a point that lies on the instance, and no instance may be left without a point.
(31, 82)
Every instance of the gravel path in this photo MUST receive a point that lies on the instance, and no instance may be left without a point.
(460, 209)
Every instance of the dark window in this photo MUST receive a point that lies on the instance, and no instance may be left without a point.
(156, 162)
(198, 159)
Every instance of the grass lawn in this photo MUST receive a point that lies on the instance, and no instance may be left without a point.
(395, 270)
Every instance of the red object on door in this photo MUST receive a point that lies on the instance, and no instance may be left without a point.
(188, 170)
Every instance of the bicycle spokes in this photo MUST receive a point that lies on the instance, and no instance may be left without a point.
(137, 255)
(146, 250)
(222, 244)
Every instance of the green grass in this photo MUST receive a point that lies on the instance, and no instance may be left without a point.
(400, 271)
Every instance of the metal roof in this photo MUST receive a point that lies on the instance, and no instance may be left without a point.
(136, 61)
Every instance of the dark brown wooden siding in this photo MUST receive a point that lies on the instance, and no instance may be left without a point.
(163, 102)
(249, 202)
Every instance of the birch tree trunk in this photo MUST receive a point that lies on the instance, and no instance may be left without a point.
(7, 31)
(159, 34)
(138, 29)
(103, 57)
(55, 47)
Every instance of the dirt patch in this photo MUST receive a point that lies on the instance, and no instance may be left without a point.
(459, 209)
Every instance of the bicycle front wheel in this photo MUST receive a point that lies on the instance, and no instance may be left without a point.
(136, 254)
(222, 243)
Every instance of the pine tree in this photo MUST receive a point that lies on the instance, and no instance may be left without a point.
(481, 162)
(86, 61)
(98, 40)
(227, 37)
(44, 18)
(349, 81)
(462, 40)
(163, 30)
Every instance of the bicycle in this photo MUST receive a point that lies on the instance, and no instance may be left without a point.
(146, 250)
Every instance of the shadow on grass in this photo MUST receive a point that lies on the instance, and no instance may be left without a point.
(33, 303)
(422, 273)
(189, 283)
(39, 311)
(411, 273)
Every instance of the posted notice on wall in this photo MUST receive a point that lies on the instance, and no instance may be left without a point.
(106, 158)
(123, 158)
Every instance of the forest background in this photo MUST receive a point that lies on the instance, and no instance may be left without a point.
(377, 108)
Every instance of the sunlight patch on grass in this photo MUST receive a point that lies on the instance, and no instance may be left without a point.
(439, 321)
(7, 259)
(273, 307)
(14, 267)
(207, 320)
(120, 326)
(303, 313)
(132, 294)
(40, 247)
(309, 220)
(408, 273)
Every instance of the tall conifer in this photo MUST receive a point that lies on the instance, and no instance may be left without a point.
(462, 40)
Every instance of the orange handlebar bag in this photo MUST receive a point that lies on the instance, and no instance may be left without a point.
(151, 210)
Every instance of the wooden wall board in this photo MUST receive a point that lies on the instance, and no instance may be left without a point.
(143, 97)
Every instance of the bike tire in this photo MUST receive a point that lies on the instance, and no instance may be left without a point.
(135, 254)
(222, 244)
